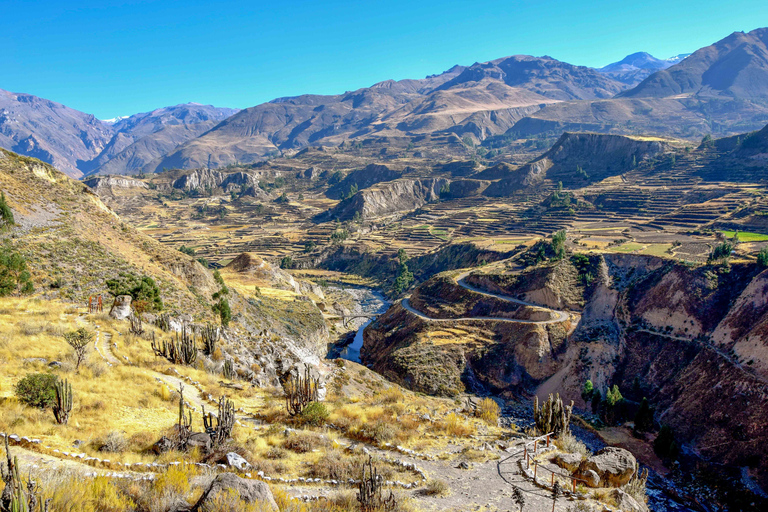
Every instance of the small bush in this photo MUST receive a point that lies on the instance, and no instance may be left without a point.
(315, 414)
(488, 411)
(454, 425)
(436, 488)
(568, 443)
(389, 396)
(302, 442)
(115, 442)
(37, 390)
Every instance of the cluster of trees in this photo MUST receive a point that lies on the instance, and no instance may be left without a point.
(144, 292)
(404, 277)
(720, 253)
(222, 305)
(15, 278)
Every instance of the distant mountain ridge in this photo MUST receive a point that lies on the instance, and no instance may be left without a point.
(635, 67)
(77, 143)
(516, 96)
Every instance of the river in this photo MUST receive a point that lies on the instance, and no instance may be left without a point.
(367, 302)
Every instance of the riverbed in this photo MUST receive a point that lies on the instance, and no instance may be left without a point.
(367, 302)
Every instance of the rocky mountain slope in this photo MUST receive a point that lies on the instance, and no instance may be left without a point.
(77, 143)
(634, 68)
(735, 67)
(691, 340)
(51, 132)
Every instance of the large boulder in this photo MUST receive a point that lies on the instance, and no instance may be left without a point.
(627, 503)
(121, 308)
(569, 461)
(200, 440)
(591, 478)
(614, 466)
(228, 487)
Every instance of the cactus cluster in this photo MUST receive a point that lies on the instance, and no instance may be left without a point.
(220, 427)
(300, 391)
(184, 426)
(63, 405)
(229, 369)
(136, 328)
(210, 336)
(369, 493)
(553, 416)
(180, 350)
(14, 497)
(163, 322)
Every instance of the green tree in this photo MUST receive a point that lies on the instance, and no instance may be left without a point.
(720, 253)
(404, 277)
(142, 289)
(587, 391)
(37, 390)
(558, 244)
(79, 341)
(222, 305)
(665, 445)
(644, 417)
(187, 250)
(14, 275)
(6, 215)
(286, 262)
(596, 399)
(762, 257)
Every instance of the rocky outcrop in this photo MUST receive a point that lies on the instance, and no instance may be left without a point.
(252, 264)
(362, 179)
(614, 466)
(107, 185)
(121, 308)
(387, 198)
(202, 179)
(228, 488)
(578, 159)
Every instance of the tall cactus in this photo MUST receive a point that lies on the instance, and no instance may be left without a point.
(181, 350)
(553, 416)
(229, 369)
(300, 391)
(221, 429)
(210, 335)
(184, 426)
(63, 405)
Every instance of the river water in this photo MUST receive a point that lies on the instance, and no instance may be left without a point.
(368, 302)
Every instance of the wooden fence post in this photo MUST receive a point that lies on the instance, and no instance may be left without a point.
(535, 445)
(547, 440)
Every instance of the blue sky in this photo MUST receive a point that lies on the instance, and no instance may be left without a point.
(118, 58)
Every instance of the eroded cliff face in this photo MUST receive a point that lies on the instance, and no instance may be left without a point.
(386, 198)
(450, 356)
(694, 341)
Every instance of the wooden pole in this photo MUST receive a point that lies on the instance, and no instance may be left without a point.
(574, 484)
(535, 445)
(547, 440)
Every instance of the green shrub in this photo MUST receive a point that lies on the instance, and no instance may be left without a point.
(762, 257)
(37, 390)
(141, 289)
(315, 413)
(14, 276)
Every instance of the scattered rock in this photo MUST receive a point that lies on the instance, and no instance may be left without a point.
(55, 364)
(200, 440)
(463, 465)
(121, 308)
(236, 461)
(627, 503)
(592, 478)
(162, 445)
(249, 491)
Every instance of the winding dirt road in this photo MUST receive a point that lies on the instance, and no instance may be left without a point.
(561, 316)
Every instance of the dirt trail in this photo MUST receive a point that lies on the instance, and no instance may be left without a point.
(561, 316)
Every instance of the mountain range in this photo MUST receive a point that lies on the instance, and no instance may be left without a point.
(722, 89)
